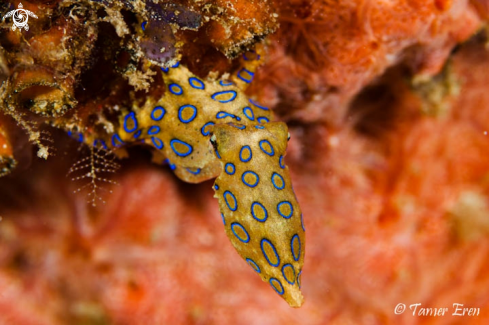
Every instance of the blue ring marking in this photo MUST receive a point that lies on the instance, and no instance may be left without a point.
(222, 114)
(178, 90)
(302, 223)
(80, 136)
(253, 265)
(241, 127)
(143, 25)
(285, 277)
(274, 175)
(262, 119)
(197, 172)
(165, 70)
(117, 138)
(137, 134)
(250, 75)
(233, 93)
(234, 199)
(290, 206)
(243, 240)
(131, 116)
(196, 83)
(101, 142)
(154, 130)
(273, 283)
(281, 162)
(181, 154)
(248, 112)
(271, 152)
(216, 187)
(203, 131)
(253, 211)
(172, 166)
(191, 118)
(254, 174)
(241, 154)
(217, 154)
(176, 65)
(259, 127)
(223, 220)
(156, 110)
(258, 105)
(157, 142)
(224, 83)
(294, 238)
(264, 240)
(246, 58)
(299, 278)
(233, 169)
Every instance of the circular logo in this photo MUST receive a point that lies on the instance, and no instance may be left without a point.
(20, 17)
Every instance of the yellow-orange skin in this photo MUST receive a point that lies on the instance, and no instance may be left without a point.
(253, 231)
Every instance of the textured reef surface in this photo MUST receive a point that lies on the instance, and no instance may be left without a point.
(388, 113)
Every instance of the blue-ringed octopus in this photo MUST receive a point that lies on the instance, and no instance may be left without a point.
(209, 128)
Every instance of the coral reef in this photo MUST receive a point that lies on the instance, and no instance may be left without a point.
(388, 111)
(341, 48)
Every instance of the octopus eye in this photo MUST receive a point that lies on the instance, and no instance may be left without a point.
(213, 141)
(288, 136)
